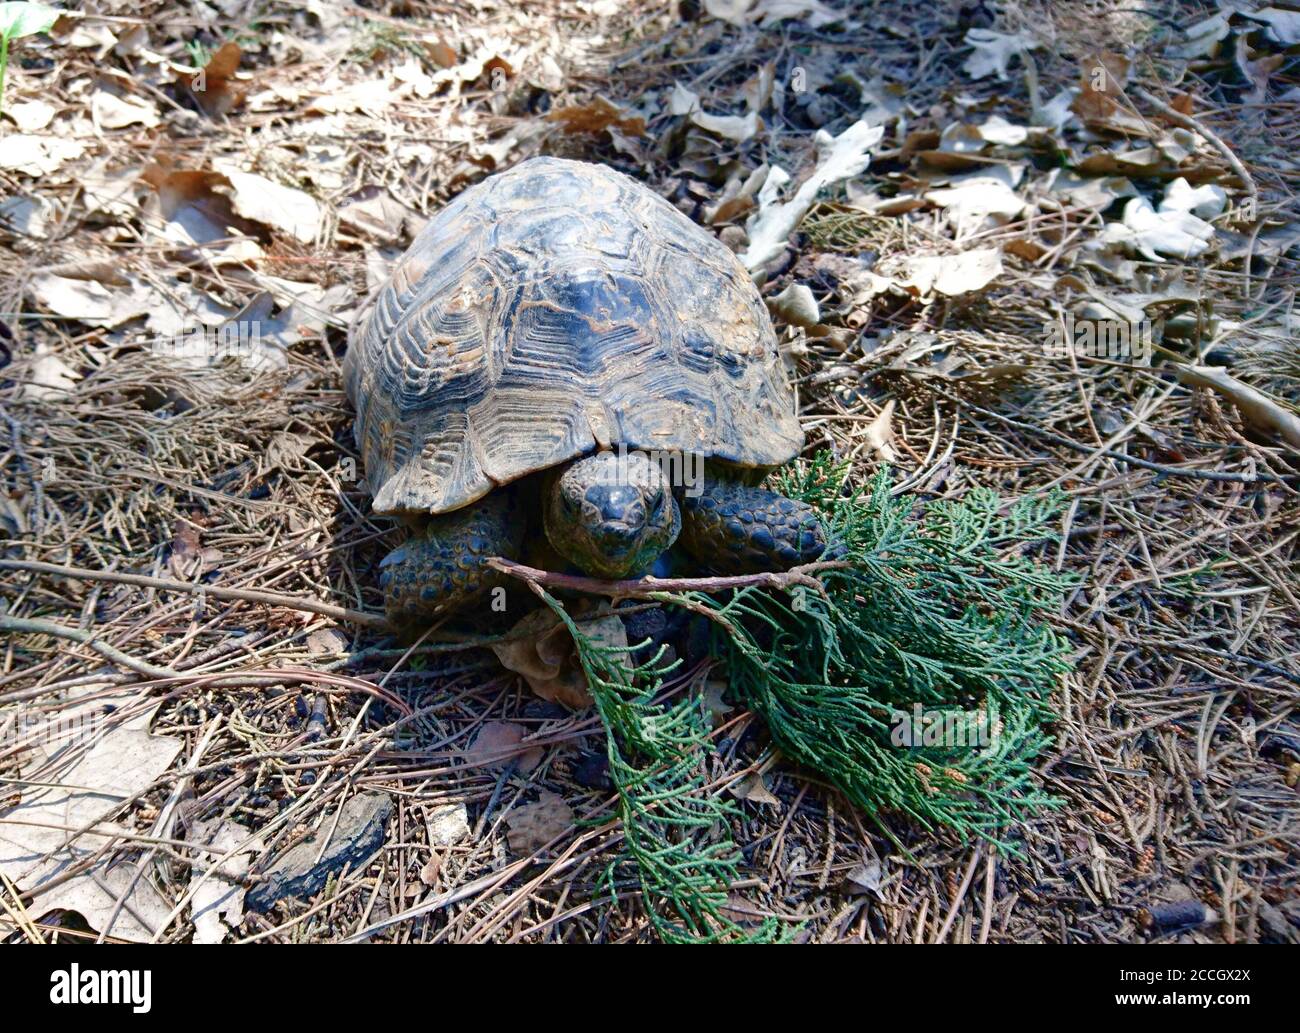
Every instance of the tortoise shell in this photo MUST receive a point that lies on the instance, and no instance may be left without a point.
(552, 310)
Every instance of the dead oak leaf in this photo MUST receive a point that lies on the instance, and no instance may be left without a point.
(265, 201)
(597, 116)
(38, 155)
(112, 111)
(213, 88)
(195, 210)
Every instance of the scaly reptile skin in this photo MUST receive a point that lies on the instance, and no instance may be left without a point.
(444, 566)
(732, 528)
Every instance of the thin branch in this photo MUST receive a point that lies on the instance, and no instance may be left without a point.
(640, 588)
(35, 626)
(369, 620)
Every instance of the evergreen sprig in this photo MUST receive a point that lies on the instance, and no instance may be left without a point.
(943, 610)
(675, 831)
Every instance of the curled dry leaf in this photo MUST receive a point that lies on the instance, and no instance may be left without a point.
(865, 878)
(1203, 38)
(1283, 25)
(194, 212)
(541, 649)
(1173, 233)
(213, 87)
(1101, 102)
(730, 127)
(796, 305)
(978, 197)
(1256, 71)
(880, 434)
(840, 157)
(1205, 201)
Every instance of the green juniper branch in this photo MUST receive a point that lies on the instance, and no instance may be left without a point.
(945, 611)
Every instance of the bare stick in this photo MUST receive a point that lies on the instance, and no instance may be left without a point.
(648, 586)
(39, 627)
(370, 620)
(1191, 124)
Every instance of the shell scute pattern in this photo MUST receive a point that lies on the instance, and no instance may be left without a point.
(550, 310)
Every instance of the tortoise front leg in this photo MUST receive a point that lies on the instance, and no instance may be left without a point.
(733, 528)
(444, 565)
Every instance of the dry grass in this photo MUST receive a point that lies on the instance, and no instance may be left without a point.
(1177, 746)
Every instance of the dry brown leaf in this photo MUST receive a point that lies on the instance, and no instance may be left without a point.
(597, 116)
(542, 651)
(194, 211)
(49, 377)
(534, 825)
(114, 192)
(753, 789)
(114, 112)
(1256, 71)
(880, 434)
(730, 127)
(283, 208)
(967, 271)
(189, 558)
(213, 88)
(37, 155)
(89, 300)
(796, 305)
(443, 55)
(497, 744)
(27, 216)
(374, 213)
(1101, 102)
(327, 640)
(40, 842)
(30, 116)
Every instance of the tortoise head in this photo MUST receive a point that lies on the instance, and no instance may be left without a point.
(611, 515)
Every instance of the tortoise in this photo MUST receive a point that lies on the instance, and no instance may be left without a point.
(549, 337)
